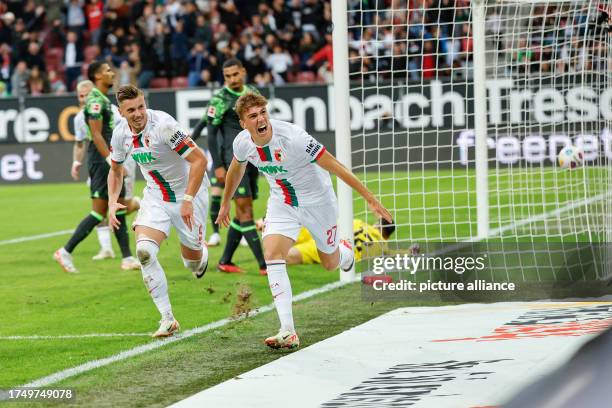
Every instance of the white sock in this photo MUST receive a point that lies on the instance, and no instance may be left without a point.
(104, 237)
(346, 256)
(154, 277)
(281, 293)
(194, 265)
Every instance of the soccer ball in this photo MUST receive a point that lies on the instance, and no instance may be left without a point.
(570, 157)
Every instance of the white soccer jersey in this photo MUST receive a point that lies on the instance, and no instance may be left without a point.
(81, 129)
(288, 162)
(159, 151)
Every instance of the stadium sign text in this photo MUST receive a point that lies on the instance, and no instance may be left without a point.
(16, 167)
(535, 148)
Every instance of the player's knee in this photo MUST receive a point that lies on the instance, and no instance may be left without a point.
(329, 262)
(146, 251)
(272, 253)
(194, 265)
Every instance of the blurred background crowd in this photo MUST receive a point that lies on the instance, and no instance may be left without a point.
(46, 46)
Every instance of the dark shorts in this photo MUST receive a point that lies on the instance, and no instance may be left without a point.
(248, 185)
(98, 179)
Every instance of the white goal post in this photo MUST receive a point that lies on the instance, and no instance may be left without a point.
(458, 109)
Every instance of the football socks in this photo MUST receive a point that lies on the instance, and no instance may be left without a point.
(280, 286)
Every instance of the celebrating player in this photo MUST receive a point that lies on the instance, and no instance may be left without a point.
(176, 193)
(223, 126)
(81, 134)
(99, 116)
(301, 193)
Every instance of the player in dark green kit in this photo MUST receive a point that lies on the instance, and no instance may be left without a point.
(223, 125)
(99, 118)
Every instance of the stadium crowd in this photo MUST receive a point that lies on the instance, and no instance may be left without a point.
(45, 47)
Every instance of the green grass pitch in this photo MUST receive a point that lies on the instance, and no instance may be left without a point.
(39, 299)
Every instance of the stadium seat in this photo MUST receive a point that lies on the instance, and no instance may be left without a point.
(159, 83)
(179, 82)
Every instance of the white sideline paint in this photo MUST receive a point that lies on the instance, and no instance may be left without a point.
(61, 375)
(73, 336)
(90, 365)
(36, 237)
(394, 359)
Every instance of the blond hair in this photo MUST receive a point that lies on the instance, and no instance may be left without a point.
(247, 101)
(85, 83)
(127, 92)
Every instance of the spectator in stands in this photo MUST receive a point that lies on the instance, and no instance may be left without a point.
(203, 31)
(19, 79)
(197, 62)
(95, 13)
(126, 74)
(325, 57)
(5, 63)
(306, 50)
(33, 57)
(37, 82)
(206, 80)
(73, 59)
(6, 33)
(75, 15)
(279, 63)
(256, 65)
(147, 22)
(56, 85)
(161, 45)
(179, 50)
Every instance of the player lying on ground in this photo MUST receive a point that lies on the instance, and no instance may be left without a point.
(176, 193)
(297, 168)
(81, 136)
(304, 251)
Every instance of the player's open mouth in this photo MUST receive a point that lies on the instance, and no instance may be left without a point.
(262, 129)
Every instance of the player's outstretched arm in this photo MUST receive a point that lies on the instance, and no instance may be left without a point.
(331, 164)
(232, 179)
(115, 182)
(197, 168)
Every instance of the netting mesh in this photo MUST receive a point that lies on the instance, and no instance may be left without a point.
(547, 77)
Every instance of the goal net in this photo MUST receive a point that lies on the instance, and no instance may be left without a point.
(420, 71)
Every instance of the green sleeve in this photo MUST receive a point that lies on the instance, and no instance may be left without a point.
(94, 108)
(215, 111)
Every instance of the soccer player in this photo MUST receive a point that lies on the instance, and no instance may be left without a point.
(176, 193)
(304, 251)
(297, 168)
(99, 116)
(82, 133)
(223, 126)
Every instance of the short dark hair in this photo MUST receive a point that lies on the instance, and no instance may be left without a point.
(93, 69)
(127, 92)
(233, 62)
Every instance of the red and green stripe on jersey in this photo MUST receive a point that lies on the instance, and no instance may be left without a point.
(264, 153)
(288, 192)
(182, 147)
(319, 155)
(137, 140)
(167, 193)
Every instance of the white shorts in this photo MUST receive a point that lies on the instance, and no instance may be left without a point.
(130, 177)
(161, 215)
(321, 221)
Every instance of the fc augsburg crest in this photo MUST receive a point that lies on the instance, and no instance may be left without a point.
(279, 155)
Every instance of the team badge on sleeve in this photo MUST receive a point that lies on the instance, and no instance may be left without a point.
(95, 108)
(212, 111)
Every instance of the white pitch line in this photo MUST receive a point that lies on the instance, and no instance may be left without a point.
(70, 372)
(35, 237)
(541, 217)
(73, 336)
(90, 365)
